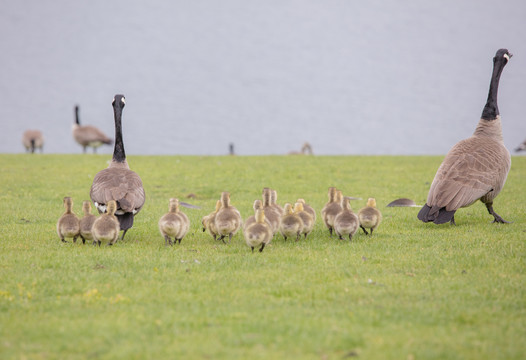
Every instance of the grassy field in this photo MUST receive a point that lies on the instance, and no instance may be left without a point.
(411, 291)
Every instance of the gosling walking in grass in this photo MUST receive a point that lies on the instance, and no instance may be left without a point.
(369, 216)
(291, 223)
(68, 224)
(332, 208)
(271, 213)
(208, 221)
(308, 208)
(258, 233)
(346, 222)
(106, 228)
(228, 219)
(174, 223)
(306, 218)
(86, 222)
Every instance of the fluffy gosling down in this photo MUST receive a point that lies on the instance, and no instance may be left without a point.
(174, 223)
(346, 222)
(308, 221)
(228, 219)
(258, 233)
(68, 224)
(86, 222)
(208, 221)
(332, 208)
(369, 216)
(291, 223)
(106, 228)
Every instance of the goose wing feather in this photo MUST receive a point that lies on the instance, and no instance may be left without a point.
(122, 185)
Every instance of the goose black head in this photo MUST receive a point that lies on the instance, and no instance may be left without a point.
(119, 101)
(502, 54)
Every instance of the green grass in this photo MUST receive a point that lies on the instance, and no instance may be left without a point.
(411, 291)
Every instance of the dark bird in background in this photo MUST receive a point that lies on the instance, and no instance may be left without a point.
(475, 168)
(117, 182)
(33, 139)
(88, 135)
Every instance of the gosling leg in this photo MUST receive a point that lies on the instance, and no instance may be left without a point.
(497, 217)
(365, 231)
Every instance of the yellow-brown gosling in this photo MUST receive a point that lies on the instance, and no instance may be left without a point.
(33, 139)
(258, 233)
(291, 224)
(346, 222)
(228, 219)
(106, 228)
(252, 219)
(308, 208)
(88, 135)
(271, 213)
(308, 222)
(475, 168)
(68, 224)
(331, 208)
(117, 182)
(174, 223)
(208, 221)
(86, 222)
(369, 216)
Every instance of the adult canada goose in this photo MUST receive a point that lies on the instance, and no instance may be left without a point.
(68, 223)
(475, 168)
(271, 213)
(346, 222)
(369, 216)
(106, 227)
(258, 233)
(33, 139)
(332, 208)
(117, 182)
(308, 222)
(174, 223)
(208, 221)
(86, 222)
(291, 223)
(88, 135)
(403, 202)
(228, 219)
(308, 208)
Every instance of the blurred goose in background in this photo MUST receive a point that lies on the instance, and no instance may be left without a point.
(33, 139)
(88, 135)
(369, 216)
(521, 147)
(118, 182)
(174, 223)
(68, 224)
(106, 227)
(475, 168)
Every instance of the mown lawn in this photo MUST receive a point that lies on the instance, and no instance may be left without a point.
(411, 291)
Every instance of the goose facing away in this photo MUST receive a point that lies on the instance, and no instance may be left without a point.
(174, 223)
(306, 218)
(475, 168)
(271, 212)
(346, 222)
(88, 135)
(86, 222)
(369, 216)
(106, 227)
(33, 139)
(331, 208)
(68, 224)
(258, 233)
(228, 219)
(117, 182)
(291, 223)
(208, 221)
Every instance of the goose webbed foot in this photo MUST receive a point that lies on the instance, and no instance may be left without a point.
(497, 217)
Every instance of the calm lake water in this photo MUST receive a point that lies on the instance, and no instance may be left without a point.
(349, 77)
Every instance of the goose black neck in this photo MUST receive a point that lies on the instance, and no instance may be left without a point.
(491, 109)
(77, 115)
(118, 151)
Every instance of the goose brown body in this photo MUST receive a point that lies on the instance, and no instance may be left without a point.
(33, 139)
(475, 168)
(88, 135)
(118, 182)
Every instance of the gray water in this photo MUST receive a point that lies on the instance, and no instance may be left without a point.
(349, 77)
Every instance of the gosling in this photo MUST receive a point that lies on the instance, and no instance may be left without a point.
(86, 222)
(208, 221)
(228, 219)
(369, 216)
(346, 222)
(308, 208)
(291, 223)
(258, 233)
(252, 219)
(308, 222)
(173, 224)
(68, 224)
(106, 228)
(271, 213)
(332, 208)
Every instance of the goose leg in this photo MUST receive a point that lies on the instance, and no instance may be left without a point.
(350, 237)
(365, 231)
(252, 249)
(452, 221)
(167, 240)
(123, 233)
(83, 240)
(262, 247)
(330, 231)
(222, 238)
(497, 217)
